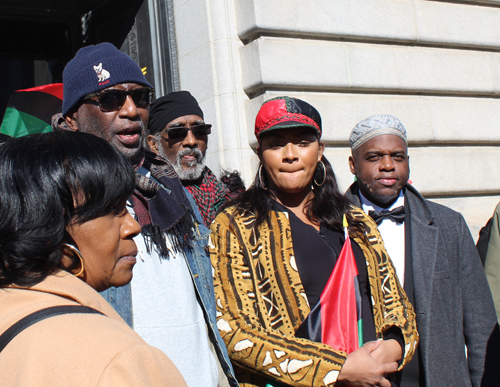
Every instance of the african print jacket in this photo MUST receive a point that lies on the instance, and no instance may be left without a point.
(261, 301)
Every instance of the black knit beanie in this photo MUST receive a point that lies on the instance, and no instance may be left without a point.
(170, 107)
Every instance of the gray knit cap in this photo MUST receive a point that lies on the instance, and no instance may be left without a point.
(376, 126)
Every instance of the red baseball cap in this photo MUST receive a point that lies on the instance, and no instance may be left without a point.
(286, 112)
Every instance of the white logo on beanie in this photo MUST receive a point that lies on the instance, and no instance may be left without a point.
(102, 74)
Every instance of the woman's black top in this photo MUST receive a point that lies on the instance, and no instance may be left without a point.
(316, 254)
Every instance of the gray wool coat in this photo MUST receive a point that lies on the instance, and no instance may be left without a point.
(453, 303)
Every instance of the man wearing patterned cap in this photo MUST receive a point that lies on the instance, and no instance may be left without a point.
(179, 134)
(170, 301)
(434, 255)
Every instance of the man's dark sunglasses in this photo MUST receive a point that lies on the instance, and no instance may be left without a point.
(114, 99)
(182, 131)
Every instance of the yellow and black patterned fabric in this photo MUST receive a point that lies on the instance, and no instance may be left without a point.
(261, 301)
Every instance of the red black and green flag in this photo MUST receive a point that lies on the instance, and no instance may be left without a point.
(31, 110)
(336, 319)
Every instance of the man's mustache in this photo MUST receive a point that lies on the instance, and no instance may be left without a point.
(190, 152)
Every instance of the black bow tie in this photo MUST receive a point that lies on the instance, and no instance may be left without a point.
(397, 215)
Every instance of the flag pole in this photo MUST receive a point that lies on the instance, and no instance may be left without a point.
(360, 321)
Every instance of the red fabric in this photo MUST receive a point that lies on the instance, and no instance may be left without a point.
(339, 319)
(275, 111)
(209, 194)
(56, 89)
(270, 109)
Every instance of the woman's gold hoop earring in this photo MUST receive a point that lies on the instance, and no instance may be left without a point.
(79, 255)
(260, 178)
(324, 175)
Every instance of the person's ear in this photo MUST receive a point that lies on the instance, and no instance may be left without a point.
(259, 153)
(71, 120)
(321, 150)
(409, 170)
(66, 261)
(153, 144)
(352, 165)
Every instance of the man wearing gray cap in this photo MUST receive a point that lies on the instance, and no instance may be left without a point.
(434, 255)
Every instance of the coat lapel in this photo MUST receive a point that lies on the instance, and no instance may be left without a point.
(424, 245)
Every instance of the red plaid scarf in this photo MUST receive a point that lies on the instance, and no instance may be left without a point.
(209, 193)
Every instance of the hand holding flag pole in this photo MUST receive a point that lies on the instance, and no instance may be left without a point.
(336, 319)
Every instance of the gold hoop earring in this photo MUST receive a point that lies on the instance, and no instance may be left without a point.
(324, 175)
(79, 255)
(260, 179)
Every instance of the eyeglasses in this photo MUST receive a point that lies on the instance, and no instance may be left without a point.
(112, 100)
(182, 131)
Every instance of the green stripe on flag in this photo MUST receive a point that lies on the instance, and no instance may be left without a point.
(18, 124)
(360, 333)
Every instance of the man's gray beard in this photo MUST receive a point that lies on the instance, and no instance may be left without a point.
(195, 167)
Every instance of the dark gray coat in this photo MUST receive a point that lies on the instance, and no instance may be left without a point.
(453, 303)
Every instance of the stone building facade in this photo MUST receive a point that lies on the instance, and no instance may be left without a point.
(433, 64)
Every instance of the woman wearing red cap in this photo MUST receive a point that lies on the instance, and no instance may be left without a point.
(275, 252)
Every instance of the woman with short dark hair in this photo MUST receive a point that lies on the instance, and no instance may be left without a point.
(274, 251)
(65, 233)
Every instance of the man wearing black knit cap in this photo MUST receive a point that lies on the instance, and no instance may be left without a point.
(170, 302)
(179, 134)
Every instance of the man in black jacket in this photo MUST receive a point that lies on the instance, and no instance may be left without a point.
(434, 256)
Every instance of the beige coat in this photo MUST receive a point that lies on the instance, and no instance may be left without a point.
(76, 349)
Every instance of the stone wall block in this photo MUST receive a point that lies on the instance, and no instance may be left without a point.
(422, 22)
(464, 120)
(457, 24)
(451, 171)
(229, 124)
(188, 38)
(196, 73)
(269, 63)
(339, 159)
(226, 130)
(214, 162)
(357, 18)
(287, 63)
(439, 171)
(476, 210)
(211, 116)
(242, 160)
(419, 69)
(428, 119)
(222, 23)
(251, 70)
(227, 53)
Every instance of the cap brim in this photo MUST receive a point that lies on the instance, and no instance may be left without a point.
(289, 125)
